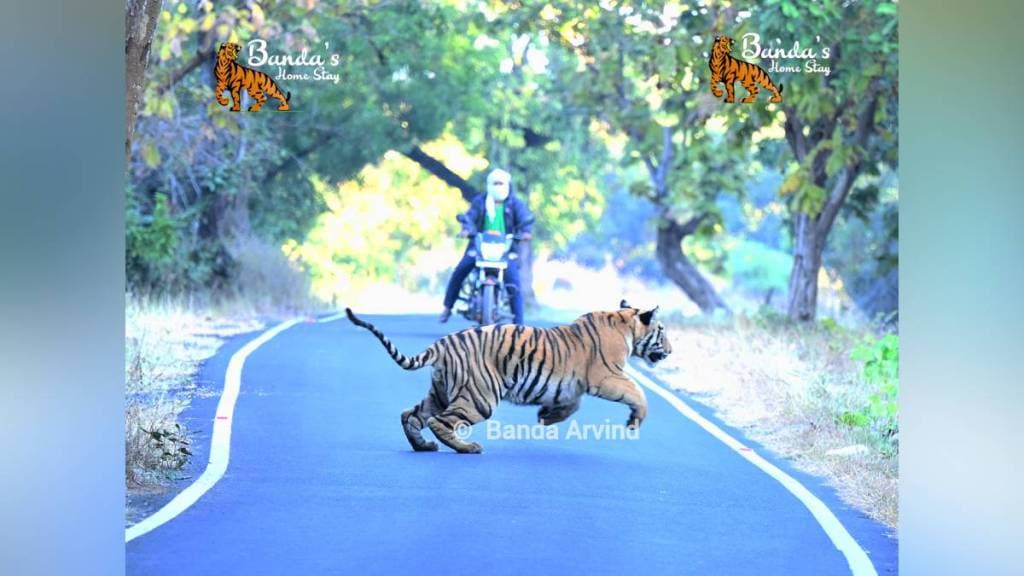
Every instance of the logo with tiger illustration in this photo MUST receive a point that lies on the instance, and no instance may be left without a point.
(475, 369)
(725, 68)
(234, 77)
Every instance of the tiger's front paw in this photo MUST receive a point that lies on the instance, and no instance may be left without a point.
(633, 423)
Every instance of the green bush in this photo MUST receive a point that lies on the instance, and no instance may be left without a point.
(151, 242)
(879, 416)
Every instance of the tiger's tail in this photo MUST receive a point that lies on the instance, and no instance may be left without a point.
(406, 362)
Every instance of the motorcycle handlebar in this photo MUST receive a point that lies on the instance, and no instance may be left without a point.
(516, 237)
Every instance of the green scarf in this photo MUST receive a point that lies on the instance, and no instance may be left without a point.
(496, 224)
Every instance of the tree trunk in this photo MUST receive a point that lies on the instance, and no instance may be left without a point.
(526, 273)
(808, 245)
(678, 267)
(811, 232)
(139, 24)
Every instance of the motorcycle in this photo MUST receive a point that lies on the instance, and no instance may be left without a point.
(484, 294)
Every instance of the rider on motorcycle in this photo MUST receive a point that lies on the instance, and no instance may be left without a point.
(498, 210)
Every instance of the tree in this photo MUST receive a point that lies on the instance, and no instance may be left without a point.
(636, 70)
(140, 21)
(841, 128)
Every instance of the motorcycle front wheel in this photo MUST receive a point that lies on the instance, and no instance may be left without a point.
(489, 308)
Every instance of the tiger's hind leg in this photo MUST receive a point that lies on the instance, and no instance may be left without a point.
(449, 426)
(752, 90)
(416, 417)
(455, 422)
(548, 415)
(259, 98)
(283, 99)
(413, 420)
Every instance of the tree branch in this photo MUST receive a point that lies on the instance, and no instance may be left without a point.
(179, 74)
(795, 135)
(437, 168)
(299, 155)
(692, 224)
(865, 121)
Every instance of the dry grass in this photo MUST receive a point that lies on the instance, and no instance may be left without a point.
(164, 344)
(785, 386)
(265, 281)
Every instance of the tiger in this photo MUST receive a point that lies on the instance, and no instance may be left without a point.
(233, 75)
(476, 368)
(725, 68)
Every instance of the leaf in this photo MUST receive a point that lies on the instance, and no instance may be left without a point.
(150, 155)
(208, 21)
(835, 162)
(887, 8)
(791, 184)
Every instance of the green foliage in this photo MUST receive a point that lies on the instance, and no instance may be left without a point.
(757, 267)
(381, 226)
(151, 242)
(880, 360)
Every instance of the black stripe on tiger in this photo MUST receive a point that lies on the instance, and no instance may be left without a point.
(406, 362)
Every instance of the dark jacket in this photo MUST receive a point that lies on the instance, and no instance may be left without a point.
(518, 218)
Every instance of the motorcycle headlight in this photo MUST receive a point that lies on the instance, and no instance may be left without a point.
(492, 251)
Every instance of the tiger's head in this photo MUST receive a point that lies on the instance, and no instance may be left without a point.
(723, 45)
(228, 51)
(649, 340)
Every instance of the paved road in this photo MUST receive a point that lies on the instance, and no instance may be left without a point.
(322, 481)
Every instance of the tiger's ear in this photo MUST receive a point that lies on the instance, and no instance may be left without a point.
(648, 316)
(624, 304)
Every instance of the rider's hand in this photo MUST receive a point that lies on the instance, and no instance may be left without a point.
(525, 236)
(464, 233)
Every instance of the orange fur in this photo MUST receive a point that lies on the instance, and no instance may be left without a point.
(725, 68)
(232, 75)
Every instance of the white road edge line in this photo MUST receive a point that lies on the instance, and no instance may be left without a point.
(331, 318)
(220, 443)
(860, 564)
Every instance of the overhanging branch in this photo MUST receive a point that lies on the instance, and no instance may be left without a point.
(437, 168)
